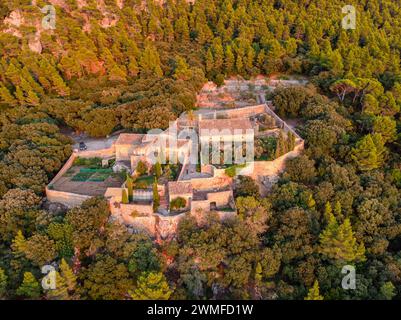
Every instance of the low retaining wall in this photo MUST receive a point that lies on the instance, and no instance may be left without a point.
(65, 168)
(281, 123)
(101, 153)
(205, 183)
(142, 224)
(200, 205)
(221, 198)
(69, 199)
(274, 167)
(243, 112)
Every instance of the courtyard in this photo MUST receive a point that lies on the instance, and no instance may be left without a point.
(88, 177)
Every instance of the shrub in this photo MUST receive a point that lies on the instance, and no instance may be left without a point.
(141, 168)
(231, 171)
(178, 203)
(246, 187)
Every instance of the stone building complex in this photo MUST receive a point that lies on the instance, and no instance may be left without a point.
(196, 187)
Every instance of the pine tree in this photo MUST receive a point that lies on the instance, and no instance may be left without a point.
(150, 61)
(19, 244)
(258, 273)
(311, 202)
(182, 71)
(218, 54)
(229, 61)
(388, 290)
(20, 95)
(6, 96)
(338, 209)
(3, 283)
(30, 287)
(239, 63)
(61, 290)
(369, 152)
(117, 74)
(338, 242)
(151, 286)
(386, 127)
(133, 68)
(313, 293)
(209, 62)
(68, 275)
(328, 211)
(249, 60)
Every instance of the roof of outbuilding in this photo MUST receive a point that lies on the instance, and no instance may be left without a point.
(178, 188)
(130, 138)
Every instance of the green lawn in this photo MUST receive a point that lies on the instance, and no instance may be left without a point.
(143, 182)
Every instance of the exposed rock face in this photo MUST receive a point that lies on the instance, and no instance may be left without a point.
(34, 43)
(15, 19)
(120, 3)
(109, 21)
(81, 3)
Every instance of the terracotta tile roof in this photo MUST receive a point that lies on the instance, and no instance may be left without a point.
(129, 138)
(178, 188)
(221, 124)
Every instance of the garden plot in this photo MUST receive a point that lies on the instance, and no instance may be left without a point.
(88, 181)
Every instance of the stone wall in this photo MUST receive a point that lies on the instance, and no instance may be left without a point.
(142, 224)
(275, 167)
(208, 169)
(101, 153)
(200, 205)
(166, 226)
(243, 112)
(65, 168)
(124, 152)
(206, 183)
(280, 123)
(221, 198)
(68, 199)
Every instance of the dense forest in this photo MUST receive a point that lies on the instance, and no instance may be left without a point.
(136, 65)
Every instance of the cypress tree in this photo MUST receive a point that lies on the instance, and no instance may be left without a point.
(156, 197)
(157, 169)
(124, 198)
(130, 187)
